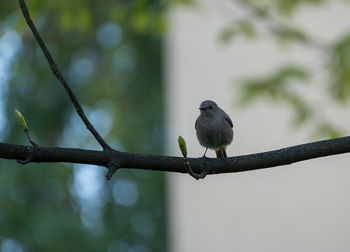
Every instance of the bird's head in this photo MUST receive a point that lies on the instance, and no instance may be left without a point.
(208, 107)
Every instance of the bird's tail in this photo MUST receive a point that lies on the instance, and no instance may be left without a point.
(222, 152)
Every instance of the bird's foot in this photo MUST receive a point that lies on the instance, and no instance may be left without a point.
(223, 159)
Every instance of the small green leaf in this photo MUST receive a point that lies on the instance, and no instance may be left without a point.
(288, 34)
(241, 27)
(325, 129)
(340, 69)
(21, 121)
(182, 145)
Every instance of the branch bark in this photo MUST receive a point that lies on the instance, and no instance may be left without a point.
(242, 163)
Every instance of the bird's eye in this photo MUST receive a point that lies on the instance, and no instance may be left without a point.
(210, 107)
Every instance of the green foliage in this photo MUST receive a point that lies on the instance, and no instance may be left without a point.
(110, 53)
(340, 69)
(288, 6)
(273, 16)
(241, 27)
(276, 88)
(290, 34)
(326, 129)
(284, 7)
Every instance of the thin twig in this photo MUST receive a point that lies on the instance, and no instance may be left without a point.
(195, 175)
(29, 157)
(59, 76)
(30, 139)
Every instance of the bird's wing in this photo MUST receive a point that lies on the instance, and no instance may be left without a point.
(228, 119)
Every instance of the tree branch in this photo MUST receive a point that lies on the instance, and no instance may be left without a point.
(113, 160)
(59, 76)
(242, 163)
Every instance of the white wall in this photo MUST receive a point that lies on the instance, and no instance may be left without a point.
(300, 207)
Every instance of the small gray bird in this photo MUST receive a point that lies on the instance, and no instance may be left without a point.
(214, 128)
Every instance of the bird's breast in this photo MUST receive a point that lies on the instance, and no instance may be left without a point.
(213, 132)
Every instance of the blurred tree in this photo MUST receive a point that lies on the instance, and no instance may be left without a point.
(110, 53)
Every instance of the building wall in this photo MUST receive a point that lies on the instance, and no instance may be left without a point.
(299, 207)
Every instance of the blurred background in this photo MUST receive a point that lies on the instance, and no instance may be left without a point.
(279, 68)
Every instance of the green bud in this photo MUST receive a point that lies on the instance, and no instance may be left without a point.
(182, 145)
(21, 121)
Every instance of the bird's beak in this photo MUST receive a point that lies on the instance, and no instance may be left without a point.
(201, 108)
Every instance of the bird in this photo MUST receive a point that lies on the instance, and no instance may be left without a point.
(214, 128)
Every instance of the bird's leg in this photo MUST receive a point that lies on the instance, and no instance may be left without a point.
(205, 153)
(223, 155)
